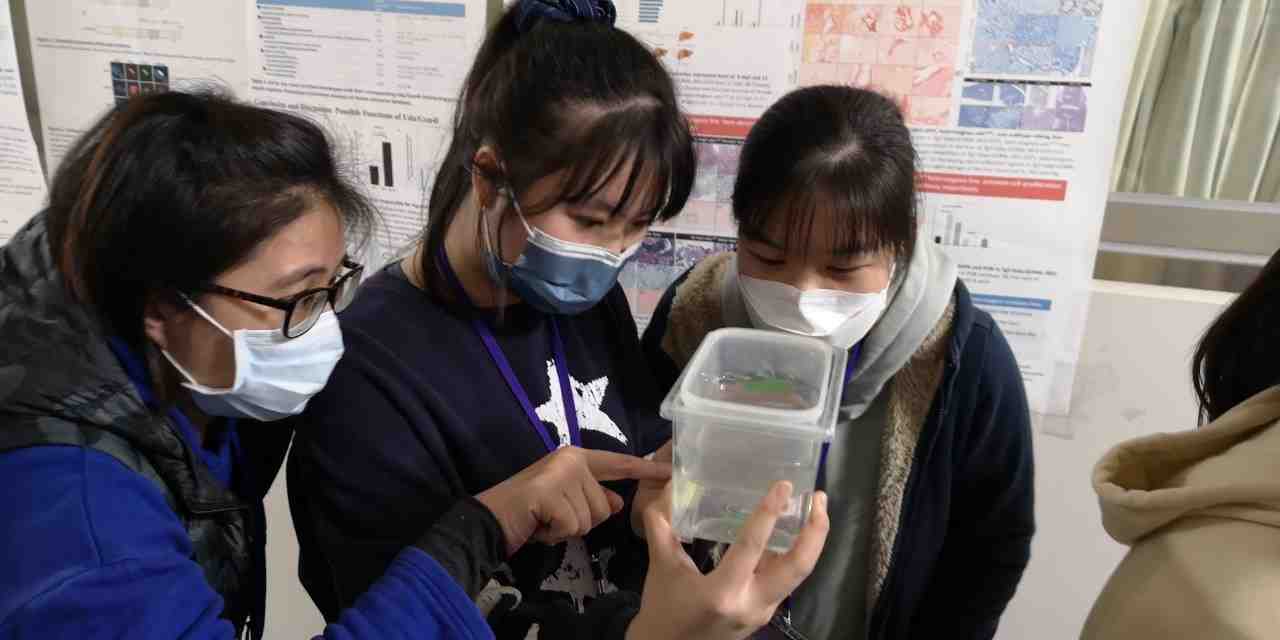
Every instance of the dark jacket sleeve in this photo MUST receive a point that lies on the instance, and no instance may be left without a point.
(468, 544)
(992, 518)
(111, 559)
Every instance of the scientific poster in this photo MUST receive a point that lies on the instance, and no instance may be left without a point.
(730, 59)
(1014, 107)
(90, 54)
(1012, 114)
(22, 184)
(383, 77)
(1015, 124)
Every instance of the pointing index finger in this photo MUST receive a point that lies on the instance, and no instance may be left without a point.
(607, 465)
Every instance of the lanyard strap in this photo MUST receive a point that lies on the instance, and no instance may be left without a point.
(783, 616)
(500, 360)
(850, 368)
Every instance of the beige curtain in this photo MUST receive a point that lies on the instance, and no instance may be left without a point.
(1202, 118)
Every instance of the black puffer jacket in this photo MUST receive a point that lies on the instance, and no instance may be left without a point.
(60, 384)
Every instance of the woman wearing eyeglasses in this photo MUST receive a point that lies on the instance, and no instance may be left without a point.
(175, 298)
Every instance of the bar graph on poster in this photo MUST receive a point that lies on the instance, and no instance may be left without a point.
(383, 78)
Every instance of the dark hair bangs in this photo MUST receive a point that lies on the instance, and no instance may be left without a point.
(660, 163)
(864, 219)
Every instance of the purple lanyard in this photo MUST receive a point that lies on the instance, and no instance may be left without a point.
(850, 368)
(499, 358)
(855, 354)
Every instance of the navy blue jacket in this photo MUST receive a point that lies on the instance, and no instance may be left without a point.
(967, 518)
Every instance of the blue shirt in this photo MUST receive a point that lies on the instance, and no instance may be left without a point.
(219, 451)
(91, 549)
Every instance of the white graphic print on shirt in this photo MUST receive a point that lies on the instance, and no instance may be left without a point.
(574, 575)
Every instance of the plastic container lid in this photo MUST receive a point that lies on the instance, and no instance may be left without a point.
(763, 379)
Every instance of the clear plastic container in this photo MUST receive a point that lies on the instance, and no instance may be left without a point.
(751, 408)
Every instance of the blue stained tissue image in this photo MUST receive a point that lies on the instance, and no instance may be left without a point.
(1035, 30)
(984, 117)
(1005, 118)
(1076, 31)
(1012, 95)
(983, 91)
(1039, 6)
(1031, 59)
(991, 55)
(975, 116)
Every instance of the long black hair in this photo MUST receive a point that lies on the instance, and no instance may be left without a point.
(556, 87)
(830, 150)
(167, 191)
(1239, 355)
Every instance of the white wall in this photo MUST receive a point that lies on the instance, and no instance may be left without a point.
(290, 613)
(1132, 379)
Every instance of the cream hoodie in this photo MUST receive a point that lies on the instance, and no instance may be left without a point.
(1201, 512)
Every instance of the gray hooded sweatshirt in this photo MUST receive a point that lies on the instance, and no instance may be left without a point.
(833, 602)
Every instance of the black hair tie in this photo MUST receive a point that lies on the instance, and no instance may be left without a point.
(528, 12)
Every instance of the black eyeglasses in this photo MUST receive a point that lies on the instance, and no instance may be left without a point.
(304, 309)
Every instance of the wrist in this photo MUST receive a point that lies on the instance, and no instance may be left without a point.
(490, 504)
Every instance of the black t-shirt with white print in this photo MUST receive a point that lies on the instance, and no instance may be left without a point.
(418, 415)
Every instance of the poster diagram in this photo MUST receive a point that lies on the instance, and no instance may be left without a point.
(710, 208)
(1046, 38)
(907, 51)
(731, 59)
(102, 52)
(1031, 106)
(383, 77)
(129, 79)
(662, 258)
(1013, 124)
(1012, 116)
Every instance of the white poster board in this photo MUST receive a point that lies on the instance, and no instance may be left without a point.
(1013, 113)
(383, 77)
(22, 183)
(90, 54)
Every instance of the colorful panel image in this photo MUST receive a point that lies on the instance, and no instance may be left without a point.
(905, 50)
(1032, 107)
(1054, 38)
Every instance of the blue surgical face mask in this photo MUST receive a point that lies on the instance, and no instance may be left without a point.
(554, 275)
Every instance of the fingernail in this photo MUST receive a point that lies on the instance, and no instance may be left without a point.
(820, 500)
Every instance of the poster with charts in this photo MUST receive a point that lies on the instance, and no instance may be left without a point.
(1015, 123)
(383, 77)
(22, 185)
(730, 59)
(89, 55)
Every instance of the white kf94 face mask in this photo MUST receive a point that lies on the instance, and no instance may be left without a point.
(841, 318)
(275, 376)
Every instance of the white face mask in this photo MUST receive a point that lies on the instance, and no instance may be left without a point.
(841, 318)
(275, 376)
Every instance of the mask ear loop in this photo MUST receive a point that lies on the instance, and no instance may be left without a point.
(501, 276)
(191, 382)
(205, 314)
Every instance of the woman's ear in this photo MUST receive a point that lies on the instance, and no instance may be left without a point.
(485, 169)
(157, 314)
